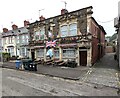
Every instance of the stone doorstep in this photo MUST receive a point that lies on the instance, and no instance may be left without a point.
(12, 61)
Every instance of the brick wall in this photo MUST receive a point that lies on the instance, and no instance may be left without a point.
(109, 49)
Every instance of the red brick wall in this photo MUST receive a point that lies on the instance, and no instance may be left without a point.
(94, 50)
(109, 49)
(102, 42)
(94, 31)
(98, 41)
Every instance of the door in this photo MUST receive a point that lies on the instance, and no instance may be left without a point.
(33, 55)
(83, 58)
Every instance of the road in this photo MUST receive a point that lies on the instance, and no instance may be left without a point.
(19, 83)
(100, 80)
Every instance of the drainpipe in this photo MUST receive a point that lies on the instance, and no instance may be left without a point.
(119, 46)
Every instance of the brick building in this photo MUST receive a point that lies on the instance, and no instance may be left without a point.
(77, 36)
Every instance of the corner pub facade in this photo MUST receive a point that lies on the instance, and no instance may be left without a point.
(76, 34)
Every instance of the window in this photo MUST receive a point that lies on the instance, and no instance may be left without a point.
(73, 29)
(18, 39)
(11, 51)
(68, 30)
(69, 53)
(23, 52)
(39, 35)
(56, 53)
(40, 53)
(23, 38)
(64, 31)
(26, 38)
(11, 39)
(42, 33)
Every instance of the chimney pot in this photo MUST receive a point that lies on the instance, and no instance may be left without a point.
(5, 30)
(26, 23)
(14, 27)
(41, 18)
(64, 11)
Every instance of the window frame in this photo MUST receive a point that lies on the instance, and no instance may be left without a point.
(68, 53)
(68, 29)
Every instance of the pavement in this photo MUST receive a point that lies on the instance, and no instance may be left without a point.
(54, 71)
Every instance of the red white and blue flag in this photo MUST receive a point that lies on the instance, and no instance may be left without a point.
(51, 43)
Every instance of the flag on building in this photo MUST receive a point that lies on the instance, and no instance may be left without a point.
(51, 43)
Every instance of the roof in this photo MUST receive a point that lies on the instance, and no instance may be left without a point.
(101, 27)
(63, 14)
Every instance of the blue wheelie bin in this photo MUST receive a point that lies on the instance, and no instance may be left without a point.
(18, 64)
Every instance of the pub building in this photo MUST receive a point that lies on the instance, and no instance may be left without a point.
(74, 35)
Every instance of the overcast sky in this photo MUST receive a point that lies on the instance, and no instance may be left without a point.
(16, 11)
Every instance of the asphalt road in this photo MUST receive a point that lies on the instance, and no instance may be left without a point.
(19, 83)
(100, 80)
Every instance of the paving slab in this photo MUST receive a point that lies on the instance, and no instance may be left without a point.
(61, 72)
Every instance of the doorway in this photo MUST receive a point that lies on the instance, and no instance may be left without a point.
(83, 57)
(33, 55)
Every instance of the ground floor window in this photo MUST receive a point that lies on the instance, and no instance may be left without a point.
(69, 53)
(56, 53)
(40, 53)
(23, 52)
(11, 51)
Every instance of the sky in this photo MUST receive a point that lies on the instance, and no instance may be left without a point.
(16, 11)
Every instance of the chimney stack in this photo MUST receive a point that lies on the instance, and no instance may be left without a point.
(64, 11)
(5, 30)
(14, 27)
(26, 23)
(41, 18)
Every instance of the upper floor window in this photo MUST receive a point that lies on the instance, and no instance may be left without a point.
(10, 39)
(73, 29)
(18, 39)
(26, 38)
(39, 35)
(23, 38)
(64, 31)
(68, 30)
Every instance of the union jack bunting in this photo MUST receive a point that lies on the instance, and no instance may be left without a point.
(51, 43)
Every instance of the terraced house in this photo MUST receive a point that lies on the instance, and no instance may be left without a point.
(16, 41)
(74, 35)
